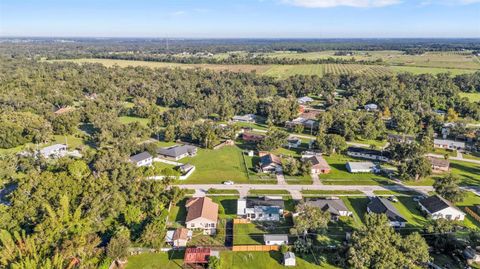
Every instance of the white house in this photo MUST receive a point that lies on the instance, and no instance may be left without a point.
(360, 167)
(370, 154)
(289, 259)
(304, 100)
(439, 208)
(371, 107)
(269, 208)
(142, 159)
(54, 151)
(275, 239)
(448, 144)
(245, 118)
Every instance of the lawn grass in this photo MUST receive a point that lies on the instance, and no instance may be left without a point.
(217, 166)
(129, 119)
(471, 96)
(218, 191)
(358, 205)
(471, 199)
(162, 260)
(443, 152)
(340, 176)
(472, 156)
(468, 173)
(398, 193)
(330, 192)
(410, 211)
(269, 192)
(252, 233)
(265, 260)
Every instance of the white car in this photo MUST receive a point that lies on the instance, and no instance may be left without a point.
(393, 199)
(228, 182)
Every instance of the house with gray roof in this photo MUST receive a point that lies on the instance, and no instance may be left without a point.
(439, 208)
(142, 159)
(380, 205)
(275, 239)
(54, 151)
(269, 163)
(448, 144)
(360, 167)
(268, 208)
(336, 207)
(177, 152)
(245, 118)
(304, 100)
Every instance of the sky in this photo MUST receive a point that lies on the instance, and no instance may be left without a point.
(241, 18)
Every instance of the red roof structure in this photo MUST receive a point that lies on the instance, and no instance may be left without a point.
(196, 255)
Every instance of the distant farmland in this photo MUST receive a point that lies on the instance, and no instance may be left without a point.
(284, 71)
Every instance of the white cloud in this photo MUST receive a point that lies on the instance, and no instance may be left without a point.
(449, 2)
(349, 3)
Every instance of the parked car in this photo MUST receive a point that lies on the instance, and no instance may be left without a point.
(393, 199)
(228, 182)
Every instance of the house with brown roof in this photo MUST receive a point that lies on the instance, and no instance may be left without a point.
(319, 165)
(202, 214)
(251, 137)
(439, 165)
(269, 163)
(198, 257)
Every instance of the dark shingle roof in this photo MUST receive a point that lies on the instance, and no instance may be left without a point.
(176, 151)
(369, 151)
(140, 157)
(383, 206)
(331, 205)
(253, 201)
(435, 203)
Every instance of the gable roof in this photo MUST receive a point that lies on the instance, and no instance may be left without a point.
(268, 159)
(275, 237)
(140, 157)
(382, 206)
(176, 151)
(334, 206)
(439, 162)
(289, 255)
(180, 233)
(54, 147)
(360, 165)
(436, 203)
(201, 207)
(196, 255)
(369, 151)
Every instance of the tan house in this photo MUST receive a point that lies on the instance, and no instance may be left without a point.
(202, 214)
(439, 165)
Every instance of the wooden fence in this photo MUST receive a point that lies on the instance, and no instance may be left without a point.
(473, 214)
(241, 221)
(255, 248)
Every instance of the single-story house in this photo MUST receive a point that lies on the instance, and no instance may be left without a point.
(181, 237)
(439, 208)
(304, 100)
(439, 165)
(54, 151)
(380, 205)
(293, 142)
(361, 167)
(336, 207)
(142, 159)
(245, 118)
(371, 107)
(307, 123)
(370, 154)
(275, 239)
(268, 208)
(177, 152)
(185, 168)
(202, 213)
(270, 163)
(401, 138)
(250, 137)
(319, 165)
(289, 259)
(448, 144)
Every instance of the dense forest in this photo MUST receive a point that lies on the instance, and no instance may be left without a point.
(86, 211)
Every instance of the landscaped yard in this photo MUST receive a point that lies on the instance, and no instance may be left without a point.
(265, 260)
(128, 119)
(469, 174)
(252, 233)
(340, 176)
(410, 211)
(358, 205)
(168, 260)
(470, 200)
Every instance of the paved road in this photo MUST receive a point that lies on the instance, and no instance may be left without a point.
(295, 190)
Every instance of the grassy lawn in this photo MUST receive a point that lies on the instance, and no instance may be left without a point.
(169, 260)
(340, 176)
(470, 200)
(330, 192)
(472, 97)
(128, 119)
(269, 192)
(217, 191)
(252, 233)
(409, 210)
(227, 206)
(467, 172)
(264, 260)
(451, 153)
(398, 193)
(358, 205)
(472, 156)
(376, 143)
(217, 166)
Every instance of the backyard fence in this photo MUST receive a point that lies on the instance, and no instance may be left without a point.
(473, 214)
(255, 248)
(241, 221)
(223, 144)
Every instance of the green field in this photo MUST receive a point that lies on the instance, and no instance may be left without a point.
(284, 71)
(129, 119)
(169, 260)
(467, 172)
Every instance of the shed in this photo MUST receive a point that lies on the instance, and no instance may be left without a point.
(289, 259)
